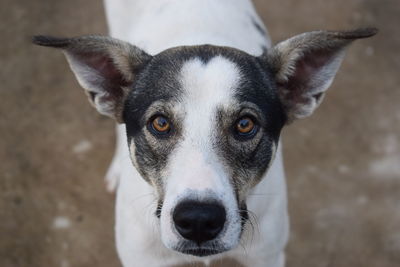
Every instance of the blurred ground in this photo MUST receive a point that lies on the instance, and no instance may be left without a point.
(343, 164)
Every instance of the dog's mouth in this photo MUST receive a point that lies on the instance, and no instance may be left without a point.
(202, 252)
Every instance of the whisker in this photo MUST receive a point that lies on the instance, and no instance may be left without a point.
(138, 198)
(251, 225)
(254, 219)
(241, 244)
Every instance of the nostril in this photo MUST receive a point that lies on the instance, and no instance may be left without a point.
(184, 227)
(213, 225)
(184, 224)
(199, 221)
(210, 225)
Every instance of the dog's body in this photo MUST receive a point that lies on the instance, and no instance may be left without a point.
(201, 178)
(156, 26)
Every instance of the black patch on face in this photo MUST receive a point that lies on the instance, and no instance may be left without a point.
(156, 82)
(259, 88)
(248, 159)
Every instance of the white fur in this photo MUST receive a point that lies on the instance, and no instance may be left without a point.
(155, 25)
(194, 166)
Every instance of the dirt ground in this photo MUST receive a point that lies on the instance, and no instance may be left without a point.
(343, 164)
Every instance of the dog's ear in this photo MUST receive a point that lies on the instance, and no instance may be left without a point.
(304, 67)
(103, 66)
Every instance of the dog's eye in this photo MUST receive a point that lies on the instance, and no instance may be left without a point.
(160, 125)
(245, 127)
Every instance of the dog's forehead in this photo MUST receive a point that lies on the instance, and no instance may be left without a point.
(207, 87)
(209, 83)
(202, 75)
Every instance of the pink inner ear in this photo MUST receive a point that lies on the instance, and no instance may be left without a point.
(112, 79)
(304, 81)
(105, 66)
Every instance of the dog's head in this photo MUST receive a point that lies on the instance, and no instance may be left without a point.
(203, 122)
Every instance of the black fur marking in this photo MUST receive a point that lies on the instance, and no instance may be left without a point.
(156, 82)
(257, 91)
(158, 209)
(258, 27)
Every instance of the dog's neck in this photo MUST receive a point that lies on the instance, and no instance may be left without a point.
(155, 25)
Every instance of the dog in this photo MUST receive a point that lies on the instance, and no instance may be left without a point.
(201, 97)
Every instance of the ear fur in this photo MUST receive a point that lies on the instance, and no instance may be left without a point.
(304, 67)
(103, 66)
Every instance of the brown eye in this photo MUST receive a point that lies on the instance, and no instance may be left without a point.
(160, 125)
(245, 126)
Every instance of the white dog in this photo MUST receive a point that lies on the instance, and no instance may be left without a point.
(201, 97)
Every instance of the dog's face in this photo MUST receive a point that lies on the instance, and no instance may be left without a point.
(203, 122)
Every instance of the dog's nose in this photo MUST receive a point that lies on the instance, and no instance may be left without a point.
(199, 221)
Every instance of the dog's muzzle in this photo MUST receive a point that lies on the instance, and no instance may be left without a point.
(199, 222)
